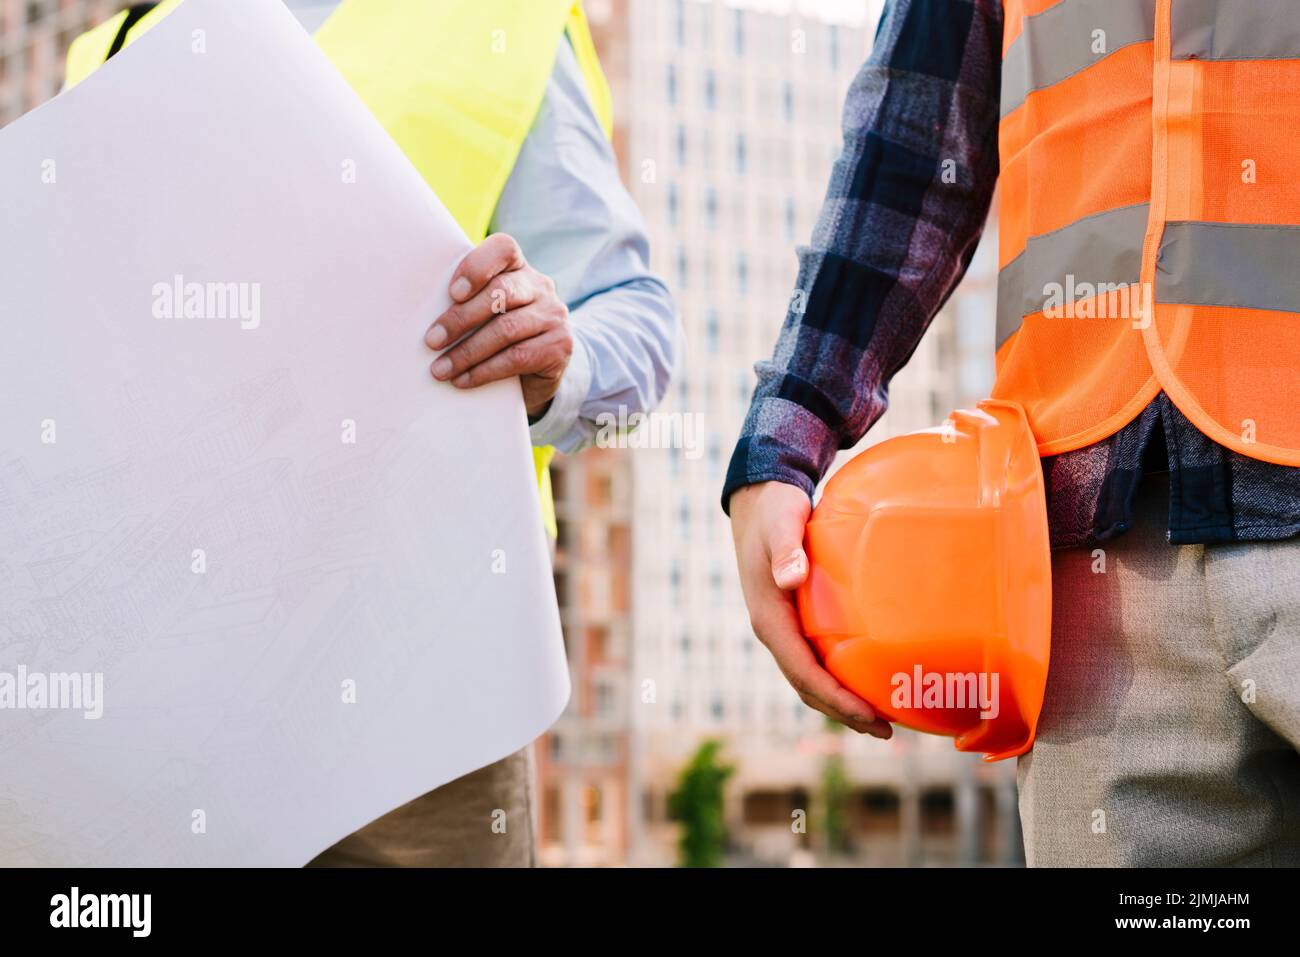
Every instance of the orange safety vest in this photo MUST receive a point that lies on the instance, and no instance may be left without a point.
(1150, 218)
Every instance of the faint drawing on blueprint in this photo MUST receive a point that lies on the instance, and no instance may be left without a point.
(248, 600)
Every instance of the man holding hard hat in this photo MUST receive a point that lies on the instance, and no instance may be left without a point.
(1148, 301)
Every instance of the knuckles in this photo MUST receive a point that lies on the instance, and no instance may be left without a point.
(508, 327)
(502, 291)
(565, 344)
(502, 252)
(498, 253)
(509, 247)
(522, 356)
(557, 314)
(513, 327)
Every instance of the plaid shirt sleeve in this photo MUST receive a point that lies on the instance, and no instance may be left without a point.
(903, 214)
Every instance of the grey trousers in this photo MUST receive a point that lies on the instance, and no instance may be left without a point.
(484, 819)
(1170, 729)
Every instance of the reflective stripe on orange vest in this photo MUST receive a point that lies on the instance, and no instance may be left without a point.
(1062, 40)
(1150, 218)
(1104, 249)
(1235, 30)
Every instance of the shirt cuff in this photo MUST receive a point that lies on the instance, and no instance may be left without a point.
(560, 419)
(781, 442)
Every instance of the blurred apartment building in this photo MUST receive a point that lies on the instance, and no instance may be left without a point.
(34, 36)
(728, 124)
(728, 117)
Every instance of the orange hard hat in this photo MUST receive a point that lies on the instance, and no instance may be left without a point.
(929, 589)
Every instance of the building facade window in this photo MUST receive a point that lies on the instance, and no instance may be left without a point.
(715, 581)
(744, 388)
(715, 454)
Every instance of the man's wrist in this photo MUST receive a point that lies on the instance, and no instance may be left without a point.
(782, 442)
(792, 477)
(558, 418)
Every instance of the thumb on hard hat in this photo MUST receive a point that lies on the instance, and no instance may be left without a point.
(789, 567)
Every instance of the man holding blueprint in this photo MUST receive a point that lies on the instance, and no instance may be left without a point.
(502, 108)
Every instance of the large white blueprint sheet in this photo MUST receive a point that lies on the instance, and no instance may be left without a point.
(262, 579)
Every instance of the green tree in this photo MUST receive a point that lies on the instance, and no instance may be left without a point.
(836, 793)
(697, 805)
(835, 798)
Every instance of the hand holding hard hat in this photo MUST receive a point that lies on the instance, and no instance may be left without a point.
(767, 522)
(928, 593)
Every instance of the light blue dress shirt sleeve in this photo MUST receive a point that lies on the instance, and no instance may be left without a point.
(575, 221)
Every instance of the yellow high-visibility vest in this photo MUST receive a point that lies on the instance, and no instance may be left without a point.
(456, 83)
